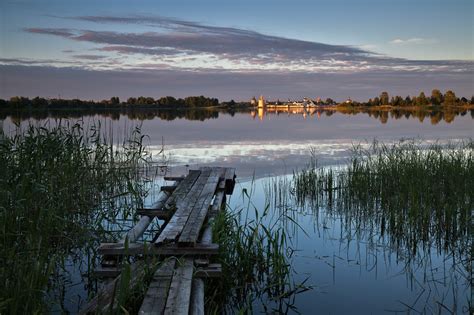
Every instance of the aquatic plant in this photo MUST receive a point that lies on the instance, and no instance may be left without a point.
(60, 188)
(414, 200)
(256, 262)
(415, 194)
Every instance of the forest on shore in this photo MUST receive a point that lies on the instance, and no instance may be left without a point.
(437, 98)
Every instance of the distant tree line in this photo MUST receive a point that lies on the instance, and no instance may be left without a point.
(169, 102)
(436, 99)
(19, 102)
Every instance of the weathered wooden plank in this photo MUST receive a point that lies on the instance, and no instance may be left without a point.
(159, 213)
(156, 296)
(198, 214)
(182, 189)
(163, 250)
(179, 295)
(183, 208)
(197, 297)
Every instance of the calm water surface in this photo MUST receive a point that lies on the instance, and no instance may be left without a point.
(351, 273)
(271, 143)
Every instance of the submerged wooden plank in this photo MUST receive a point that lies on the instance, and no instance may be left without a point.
(156, 296)
(198, 214)
(184, 207)
(179, 295)
(163, 250)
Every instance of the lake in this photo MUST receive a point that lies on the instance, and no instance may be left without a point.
(349, 271)
(270, 143)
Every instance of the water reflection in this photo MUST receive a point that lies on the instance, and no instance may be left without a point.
(383, 116)
(435, 115)
(356, 269)
(263, 142)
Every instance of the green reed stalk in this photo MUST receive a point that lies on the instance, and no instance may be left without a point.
(417, 195)
(58, 189)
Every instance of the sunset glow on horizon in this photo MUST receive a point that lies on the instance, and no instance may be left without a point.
(235, 50)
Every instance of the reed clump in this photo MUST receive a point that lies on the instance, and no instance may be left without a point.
(256, 263)
(417, 195)
(58, 186)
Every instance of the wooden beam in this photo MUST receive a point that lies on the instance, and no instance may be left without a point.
(229, 180)
(150, 249)
(138, 229)
(156, 296)
(206, 236)
(197, 297)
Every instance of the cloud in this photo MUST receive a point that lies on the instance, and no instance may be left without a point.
(229, 48)
(89, 57)
(367, 46)
(414, 40)
(140, 50)
(188, 45)
(51, 31)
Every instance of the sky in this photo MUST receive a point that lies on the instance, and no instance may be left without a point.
(235, 49)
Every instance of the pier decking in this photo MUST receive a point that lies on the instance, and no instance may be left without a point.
(183, 246)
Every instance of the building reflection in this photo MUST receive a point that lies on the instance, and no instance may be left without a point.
(310, 112)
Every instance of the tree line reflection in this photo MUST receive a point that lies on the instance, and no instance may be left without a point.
(435, 116)
(422, 115)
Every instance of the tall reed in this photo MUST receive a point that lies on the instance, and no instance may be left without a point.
(416, 195)
(256, 260)
(58, 187)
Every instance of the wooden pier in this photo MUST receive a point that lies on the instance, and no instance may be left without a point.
(183, 246)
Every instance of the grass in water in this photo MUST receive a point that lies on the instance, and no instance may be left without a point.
(418, 198)
(416, 195)
(256, 263)
(58, 188)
